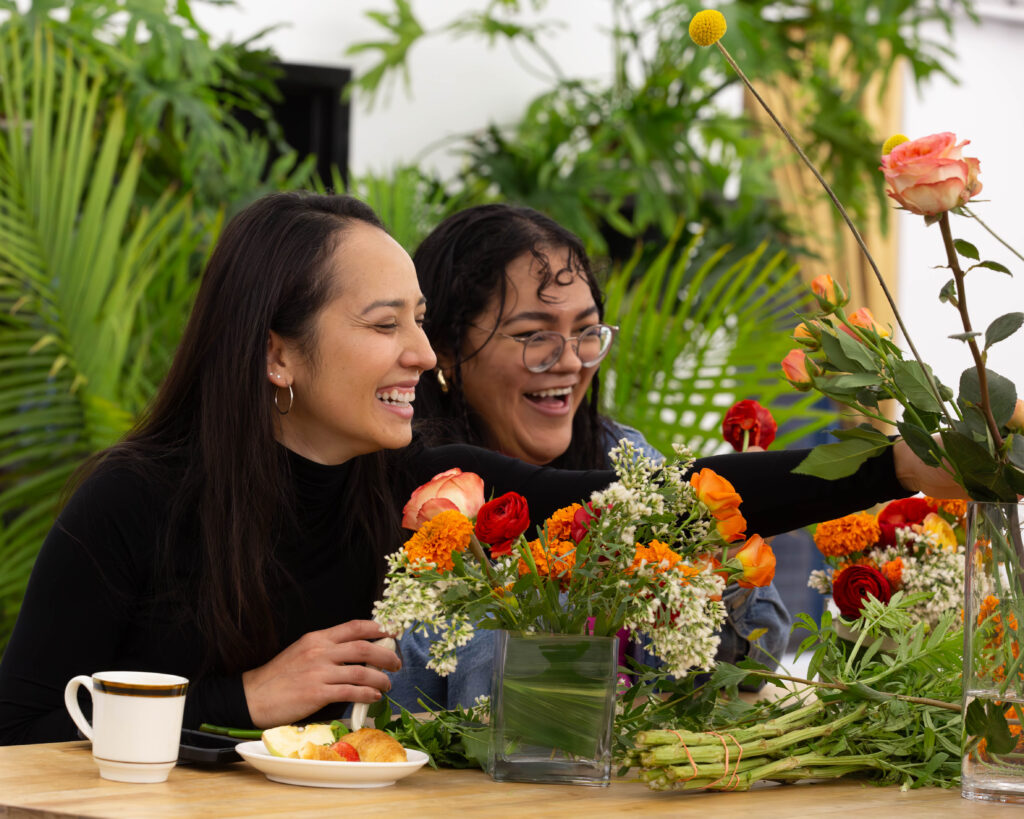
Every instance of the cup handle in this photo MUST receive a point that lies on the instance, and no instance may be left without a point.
(71, 702)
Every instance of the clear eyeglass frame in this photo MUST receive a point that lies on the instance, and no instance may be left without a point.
(543, 349)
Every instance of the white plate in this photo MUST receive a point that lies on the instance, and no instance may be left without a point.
(319, 774)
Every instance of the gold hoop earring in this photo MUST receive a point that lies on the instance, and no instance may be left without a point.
(441, 382)
(291, 400)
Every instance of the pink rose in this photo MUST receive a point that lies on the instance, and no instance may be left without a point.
(453, 489)
(929, 176)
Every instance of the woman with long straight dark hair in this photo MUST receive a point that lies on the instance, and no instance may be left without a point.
(236, 537)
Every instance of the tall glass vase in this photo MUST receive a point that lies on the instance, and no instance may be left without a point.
(993, 748)
(552, 707)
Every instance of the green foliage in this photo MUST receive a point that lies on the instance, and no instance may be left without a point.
(656, 140)
(183, 95)
(695, 337)
(93, 288)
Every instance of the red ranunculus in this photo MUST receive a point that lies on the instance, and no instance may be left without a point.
(581, 522)
(851, 587)
(748, 424)
(901, 513)
(500, 521)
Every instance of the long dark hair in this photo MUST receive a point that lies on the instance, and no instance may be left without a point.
(209, 434)
(461, 267)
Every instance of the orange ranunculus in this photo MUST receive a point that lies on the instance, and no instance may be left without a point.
(930, 175)
(847, 535)
(656, 554)
(453, 489)
(559, 525)
(1016, 422)
(554, 559)
(732, 527)
(758, 562)
(448, 531)
(828, 293)
(716, 493)
(892, 570)
(795, 368)
(864, 318)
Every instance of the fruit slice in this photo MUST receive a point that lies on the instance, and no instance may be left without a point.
(345, 751)
(286, 740)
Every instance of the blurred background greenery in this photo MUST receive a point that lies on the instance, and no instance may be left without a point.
(126, 140)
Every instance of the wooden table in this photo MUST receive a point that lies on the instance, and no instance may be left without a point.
(60, 780)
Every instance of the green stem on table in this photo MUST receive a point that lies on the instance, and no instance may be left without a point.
(979, 362)
(846, 218)
(237, 733)
(994, 235)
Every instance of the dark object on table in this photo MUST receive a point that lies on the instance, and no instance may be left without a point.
(199, 746)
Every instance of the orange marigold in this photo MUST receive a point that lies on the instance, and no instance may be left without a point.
(893, 571)
(554, 559)
(955, 508)
(846, 535)
(435, 540)
(656, 554)
(559, 525)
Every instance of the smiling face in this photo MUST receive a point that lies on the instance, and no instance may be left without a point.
(354, 390)
(529, 415)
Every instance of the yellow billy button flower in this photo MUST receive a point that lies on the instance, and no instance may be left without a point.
(707, 27)
(892, 142)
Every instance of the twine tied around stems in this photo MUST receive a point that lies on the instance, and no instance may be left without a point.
(689, 756)
(734, 778)
(734, 773)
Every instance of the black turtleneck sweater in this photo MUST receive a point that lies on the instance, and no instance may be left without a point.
(91, 604)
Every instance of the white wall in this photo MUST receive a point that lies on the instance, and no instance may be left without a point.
(456, 85)
(988, 109)
(460, 85)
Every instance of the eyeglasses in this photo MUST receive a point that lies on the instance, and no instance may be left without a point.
(542, 349)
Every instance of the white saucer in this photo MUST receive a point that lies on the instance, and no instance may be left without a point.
(319, 774)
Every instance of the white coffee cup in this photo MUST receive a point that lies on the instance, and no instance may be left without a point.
(136, 722)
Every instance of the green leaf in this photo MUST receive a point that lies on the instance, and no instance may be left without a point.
(1003, 327)
(966, 249)
(999, 268)
(965, 336)
(919, 441)
(850, 380)
(948, 293)
(913, 382)
(1001, 392)
(855, 350)
(836, 354)
(864, 432)
(832, 461)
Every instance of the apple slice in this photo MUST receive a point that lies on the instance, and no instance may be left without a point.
(287, 740)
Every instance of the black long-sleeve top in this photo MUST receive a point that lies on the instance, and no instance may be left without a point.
(91, 604)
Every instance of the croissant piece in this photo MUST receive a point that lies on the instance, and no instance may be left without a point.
(376, 746)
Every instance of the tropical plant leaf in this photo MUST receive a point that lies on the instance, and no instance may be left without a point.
(92, 287)
(694, 341)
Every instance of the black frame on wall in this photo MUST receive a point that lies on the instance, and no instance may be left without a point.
(312, 114)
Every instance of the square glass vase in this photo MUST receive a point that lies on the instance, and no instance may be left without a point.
(552, 708)
(993, 744)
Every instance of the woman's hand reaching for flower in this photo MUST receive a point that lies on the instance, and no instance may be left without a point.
(917, 476)
(321, 667)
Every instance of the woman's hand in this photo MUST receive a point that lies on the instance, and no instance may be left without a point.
(319, 668)
(917, 476)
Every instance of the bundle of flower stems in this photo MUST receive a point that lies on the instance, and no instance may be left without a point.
(908, 740)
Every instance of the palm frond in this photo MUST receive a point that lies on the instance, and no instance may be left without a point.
(694, 341)
(86, 282)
